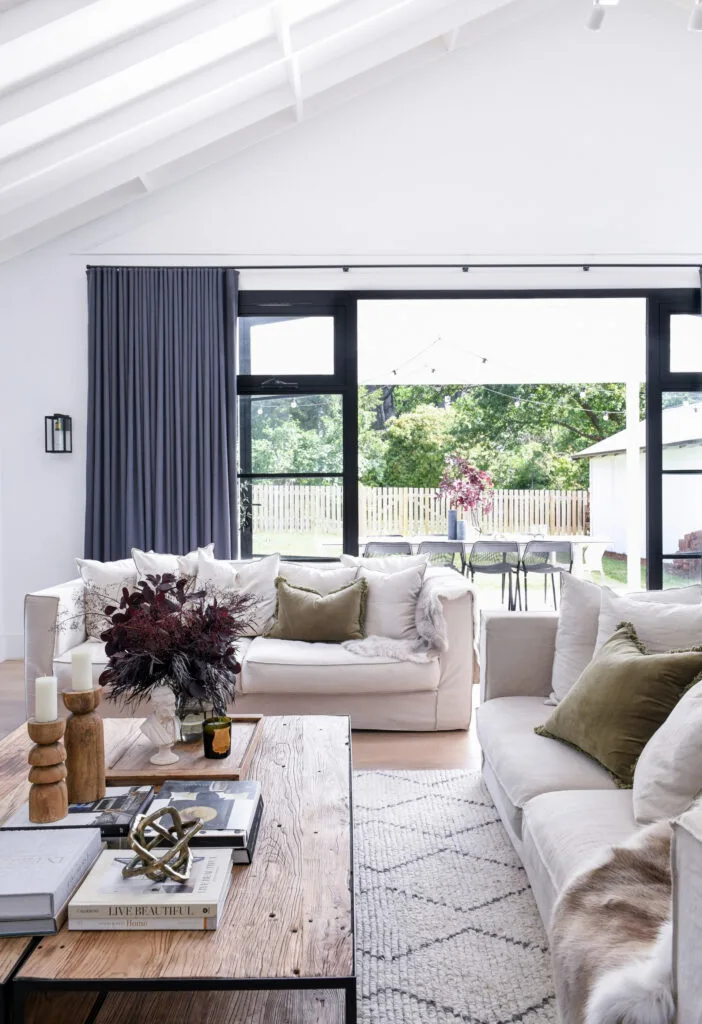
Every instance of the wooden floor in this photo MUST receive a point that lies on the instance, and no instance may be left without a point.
(370, 749)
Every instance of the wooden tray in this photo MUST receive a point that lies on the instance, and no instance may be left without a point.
(129, 764)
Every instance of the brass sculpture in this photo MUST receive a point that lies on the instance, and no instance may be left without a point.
(162, 852)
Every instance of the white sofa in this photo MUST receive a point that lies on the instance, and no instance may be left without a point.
(291, 677)
(557, 805)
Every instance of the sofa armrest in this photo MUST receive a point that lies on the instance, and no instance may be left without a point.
(516, 653)
(454, 699)
(54, 622)
(687, 915)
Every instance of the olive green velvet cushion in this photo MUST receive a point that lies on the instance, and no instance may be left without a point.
(622, 697)
(303, 614)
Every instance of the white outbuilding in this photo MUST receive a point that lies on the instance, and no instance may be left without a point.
(682, 494)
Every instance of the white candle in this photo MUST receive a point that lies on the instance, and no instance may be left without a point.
(82, 669)
(46, 699)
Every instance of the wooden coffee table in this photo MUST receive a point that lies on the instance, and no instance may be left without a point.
(284, 949)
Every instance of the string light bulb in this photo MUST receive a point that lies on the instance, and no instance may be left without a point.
(605, 416)
(517, 403)
(293, 404)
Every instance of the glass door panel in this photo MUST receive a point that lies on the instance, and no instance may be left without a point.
(295, 516)
(291, 475)
(282, 346)
(685, 343)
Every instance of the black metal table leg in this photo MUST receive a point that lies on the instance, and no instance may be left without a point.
(350, 1000)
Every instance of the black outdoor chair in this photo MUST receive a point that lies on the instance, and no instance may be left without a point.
(548, 558)
(387, 547)
(443, 553)
(498, 558)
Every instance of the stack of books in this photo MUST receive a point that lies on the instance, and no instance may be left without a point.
(39, 872)
(108, 902)
(113, 814)
(230, 811)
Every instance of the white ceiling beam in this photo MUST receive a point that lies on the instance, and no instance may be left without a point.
(68, 220)
(90, 27)
(282, 30)
(451, 39)
(148, 163)
(17, 19)
(120, 56)
(397, 38)
(146, 120)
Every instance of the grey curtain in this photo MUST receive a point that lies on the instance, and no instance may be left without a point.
(161, 453)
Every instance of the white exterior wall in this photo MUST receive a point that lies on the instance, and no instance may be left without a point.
(537, 144)
(682, 498)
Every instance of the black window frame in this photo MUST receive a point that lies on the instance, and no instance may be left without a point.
(660, 380)
(343, 303)
(343, 381)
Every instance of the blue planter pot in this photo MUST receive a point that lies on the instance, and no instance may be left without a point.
(452, 521)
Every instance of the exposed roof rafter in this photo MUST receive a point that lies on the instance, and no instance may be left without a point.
(204, 81)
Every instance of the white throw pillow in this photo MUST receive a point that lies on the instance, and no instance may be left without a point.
(391, 604)
(661, 627)
(221, 576)
(323, 581)
(151, 563)
(668, 774)
(578, 625)
(386, 563)
(104, 582)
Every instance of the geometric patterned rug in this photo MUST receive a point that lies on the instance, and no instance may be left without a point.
(447, 930)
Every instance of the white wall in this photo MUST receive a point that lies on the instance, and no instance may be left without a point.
(545, 141)
(682, 498)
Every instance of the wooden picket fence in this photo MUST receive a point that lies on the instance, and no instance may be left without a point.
(299, 508)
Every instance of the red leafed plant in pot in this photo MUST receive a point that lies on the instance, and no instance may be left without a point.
(163, 634)
(467, 488)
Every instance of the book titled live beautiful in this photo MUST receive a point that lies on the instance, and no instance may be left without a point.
(107, 901)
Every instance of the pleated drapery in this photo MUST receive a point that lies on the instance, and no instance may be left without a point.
(161, 451)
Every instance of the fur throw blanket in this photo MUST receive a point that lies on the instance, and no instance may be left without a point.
(611, 936)
(431, 640)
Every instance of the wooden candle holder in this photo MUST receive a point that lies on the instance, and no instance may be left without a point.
(85, 746)
(48, 794)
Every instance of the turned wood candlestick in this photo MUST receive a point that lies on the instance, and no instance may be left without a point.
(85, 746)
(48, 795)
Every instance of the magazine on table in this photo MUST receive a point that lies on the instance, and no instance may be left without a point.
(113, 814)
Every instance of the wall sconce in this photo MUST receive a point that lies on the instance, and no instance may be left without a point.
(58, 434)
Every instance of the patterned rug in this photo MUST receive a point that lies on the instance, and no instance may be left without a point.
(447, 927)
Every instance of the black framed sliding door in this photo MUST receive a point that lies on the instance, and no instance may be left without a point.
(298, 425)
(674, 441)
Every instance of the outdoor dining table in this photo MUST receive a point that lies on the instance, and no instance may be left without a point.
(579, 542)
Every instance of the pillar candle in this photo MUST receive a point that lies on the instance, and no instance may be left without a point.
(46, 699)
(82, 669)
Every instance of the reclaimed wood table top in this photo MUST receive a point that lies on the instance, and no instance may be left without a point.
(288, 915)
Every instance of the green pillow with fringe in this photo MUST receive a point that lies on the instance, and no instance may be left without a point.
(304, 614)
(623, 696)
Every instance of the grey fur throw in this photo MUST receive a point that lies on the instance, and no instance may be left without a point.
(611, 936)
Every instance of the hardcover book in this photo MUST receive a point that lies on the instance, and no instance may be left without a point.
(228, 809)
(110, 901)
(113, 814)
(40, 868)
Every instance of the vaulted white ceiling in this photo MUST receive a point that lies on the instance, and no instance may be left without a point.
(103, 101)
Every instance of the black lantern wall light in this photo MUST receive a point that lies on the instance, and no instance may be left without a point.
(58, 434)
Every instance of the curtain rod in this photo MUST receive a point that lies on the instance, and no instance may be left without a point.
(464, 267)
